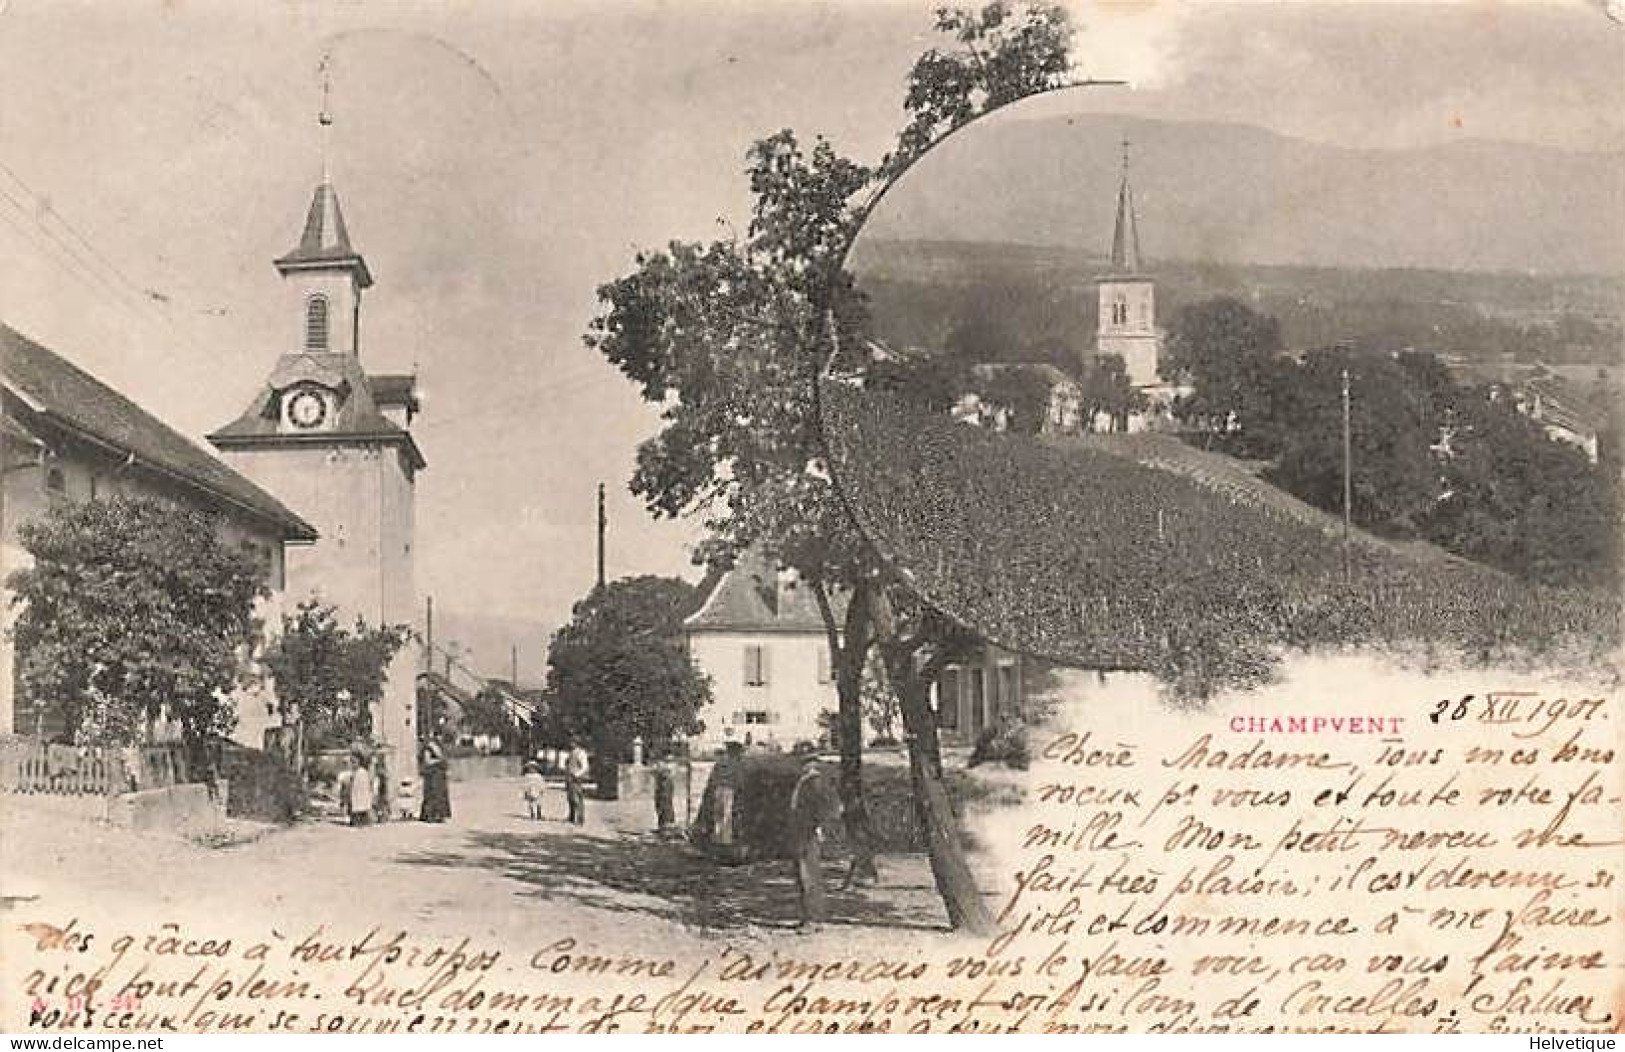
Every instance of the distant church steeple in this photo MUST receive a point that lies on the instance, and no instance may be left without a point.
(1127, 324)
(1126, 233)
(324, 269)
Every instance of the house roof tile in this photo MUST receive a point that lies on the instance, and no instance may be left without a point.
(62, 394)
(751, 598)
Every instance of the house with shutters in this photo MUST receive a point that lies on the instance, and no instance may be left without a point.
(760, 638)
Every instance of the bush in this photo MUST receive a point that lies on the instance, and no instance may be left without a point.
(1003, 742)
(762, 805)
(261, 786)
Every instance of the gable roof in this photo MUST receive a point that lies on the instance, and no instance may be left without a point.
(750, 598)
(1052, 375)
(60, 394)
(1553, 400)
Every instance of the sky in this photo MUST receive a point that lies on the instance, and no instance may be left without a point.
(497, 163)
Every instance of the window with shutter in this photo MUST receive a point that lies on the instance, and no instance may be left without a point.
(948, 699)
(755, 666)
(1007, 699)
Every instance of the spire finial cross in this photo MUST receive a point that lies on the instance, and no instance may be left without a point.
(324, 117)
(1126, 145)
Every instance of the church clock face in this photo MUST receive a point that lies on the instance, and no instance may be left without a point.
(307, 410)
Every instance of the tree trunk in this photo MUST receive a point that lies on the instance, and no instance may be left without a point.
(955, 882)
(949, 870)
(849, 649)
(854, 809)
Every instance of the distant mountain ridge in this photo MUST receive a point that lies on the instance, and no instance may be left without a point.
(1229, 193)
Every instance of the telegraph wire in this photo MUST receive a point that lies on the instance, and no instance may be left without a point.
(64, 255)
(143, 295)
(138, 303)
(53, 249)
(67, 266)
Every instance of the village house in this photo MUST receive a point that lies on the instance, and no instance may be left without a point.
(70, 437)
(760, 638)
(1563, 413)
(989, 687)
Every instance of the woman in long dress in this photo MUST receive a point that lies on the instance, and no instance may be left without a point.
(436, 790)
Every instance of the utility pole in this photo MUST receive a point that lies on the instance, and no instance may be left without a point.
(602, 522)
(428, 633)
(428, 721)
(513, 665)
(1348, 474)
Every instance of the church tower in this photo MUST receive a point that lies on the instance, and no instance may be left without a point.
(1128, 310)
(331, 440)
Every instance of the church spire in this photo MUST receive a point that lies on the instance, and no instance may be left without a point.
(324, 243)
(1126, 234)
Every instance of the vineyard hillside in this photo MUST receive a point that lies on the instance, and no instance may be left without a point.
(1235, 481)
(1136, 552)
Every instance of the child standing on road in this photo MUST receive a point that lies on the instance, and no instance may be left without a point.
(534, 787)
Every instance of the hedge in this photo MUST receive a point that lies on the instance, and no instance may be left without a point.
(762, 808)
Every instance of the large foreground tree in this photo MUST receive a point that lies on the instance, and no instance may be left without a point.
(134, 608)
(728, 337)
(620, 669)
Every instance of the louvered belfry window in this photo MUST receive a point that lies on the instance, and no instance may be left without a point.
(316, 323)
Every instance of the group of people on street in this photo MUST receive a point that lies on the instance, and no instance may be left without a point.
(360, 795)
(576, 765)
(358, 789)
(814, 809)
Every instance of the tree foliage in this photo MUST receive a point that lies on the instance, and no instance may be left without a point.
(1104, 389)
(1429, 457)
(620, 670)
(133, 606)
(328, 678)
(728, 339)
(1515, 498)
(1230, 355)
(1392, 429)
(1002, 53)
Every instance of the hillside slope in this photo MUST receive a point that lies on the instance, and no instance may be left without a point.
(1127, 552)
(1233, 481)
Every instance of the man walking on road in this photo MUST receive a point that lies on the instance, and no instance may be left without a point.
(813, 809)
(575, 769)
(724, 782)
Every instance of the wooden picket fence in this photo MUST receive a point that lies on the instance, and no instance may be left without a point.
(28, 766)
